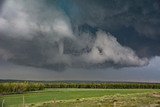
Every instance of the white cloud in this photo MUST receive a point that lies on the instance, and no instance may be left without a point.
(19, 20)
(107, 49)
(14, 21)
(61, 27)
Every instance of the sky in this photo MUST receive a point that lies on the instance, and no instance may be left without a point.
(113, 40)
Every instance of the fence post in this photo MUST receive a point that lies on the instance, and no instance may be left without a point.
(3, 102)
(23, 101)
(115, 103)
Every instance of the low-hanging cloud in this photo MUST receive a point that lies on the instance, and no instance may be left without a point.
(106, 48)
(39, 35)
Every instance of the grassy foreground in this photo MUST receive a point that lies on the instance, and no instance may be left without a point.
(85, 98)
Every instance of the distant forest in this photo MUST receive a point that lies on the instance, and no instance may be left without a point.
(20, 86)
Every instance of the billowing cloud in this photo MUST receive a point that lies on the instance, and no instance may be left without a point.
(51, 35)
(106, 48)
(17, 20)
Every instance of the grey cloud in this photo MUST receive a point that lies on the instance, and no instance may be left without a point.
(104, 49)
(134, 23)
(5, 55)
(113, 14)
(45, 36)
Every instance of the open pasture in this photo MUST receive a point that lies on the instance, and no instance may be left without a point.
(84, 97)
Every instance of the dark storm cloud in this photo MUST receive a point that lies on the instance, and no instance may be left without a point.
(74, 33)
(134, 23)
(1, 4)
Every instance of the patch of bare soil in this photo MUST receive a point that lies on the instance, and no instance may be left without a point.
(157, 95)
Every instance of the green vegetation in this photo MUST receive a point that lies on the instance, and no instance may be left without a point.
(118, 100)
(61, 94)
(104, 85)
(12, 88)
(78, 97)
(21, 87)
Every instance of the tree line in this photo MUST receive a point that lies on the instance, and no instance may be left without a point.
(11, 88)
(22, 87)
(104, 85)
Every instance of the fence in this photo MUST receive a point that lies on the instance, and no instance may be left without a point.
(18, 101)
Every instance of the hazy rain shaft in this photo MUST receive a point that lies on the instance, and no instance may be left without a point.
(79, 34)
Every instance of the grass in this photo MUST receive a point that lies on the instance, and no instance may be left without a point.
(79, 97)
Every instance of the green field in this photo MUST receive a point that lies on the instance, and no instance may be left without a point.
(85, 98)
